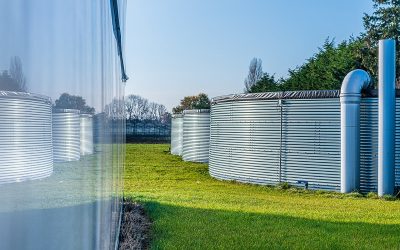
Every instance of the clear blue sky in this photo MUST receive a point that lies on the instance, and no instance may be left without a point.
(177, 48)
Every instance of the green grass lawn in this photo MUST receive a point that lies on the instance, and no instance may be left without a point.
(191, 210)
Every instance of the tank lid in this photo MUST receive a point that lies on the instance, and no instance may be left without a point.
(306, 94)
(24, 95)
(74, 111)
(193, 111)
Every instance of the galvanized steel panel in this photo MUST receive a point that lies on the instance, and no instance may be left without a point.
(244, 141)
(86, 137)
(369, 144)
(66, 135)
(248, 142)
(311, 142)
(25, 137)
(196, 135)
(176, 134)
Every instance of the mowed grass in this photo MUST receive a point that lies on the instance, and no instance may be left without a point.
(191, 210)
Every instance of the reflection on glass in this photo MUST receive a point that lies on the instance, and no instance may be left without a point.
(61, 126)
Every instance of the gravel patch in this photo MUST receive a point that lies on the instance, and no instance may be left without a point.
(135, 228)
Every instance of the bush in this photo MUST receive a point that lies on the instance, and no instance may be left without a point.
(388, 197)
(372, 195)
(354, 194)
(284, 186)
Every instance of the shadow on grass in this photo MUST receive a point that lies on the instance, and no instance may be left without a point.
(193, 228)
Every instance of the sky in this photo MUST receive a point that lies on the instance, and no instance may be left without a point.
(177, 48)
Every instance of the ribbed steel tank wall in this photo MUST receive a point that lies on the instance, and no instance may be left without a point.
(268, 141)
(176, 134)
(311, 142)
(250, 141)
(25, 137)
(244, 141)
(86, 136)
(196, 135)
(66, 135)
(369, 144)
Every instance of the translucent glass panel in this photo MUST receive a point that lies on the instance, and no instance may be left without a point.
(60, 180)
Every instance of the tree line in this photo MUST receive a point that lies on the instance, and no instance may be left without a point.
(139, 108)
(327, 68)
(133, 108)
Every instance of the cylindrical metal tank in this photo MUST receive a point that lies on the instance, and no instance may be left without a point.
(196, 135)
(293, 137)
(66, 135)
(86, 121)
(267, 138)
(25, 137)
(176, 134)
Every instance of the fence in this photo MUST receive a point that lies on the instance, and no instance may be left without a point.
(148, 131)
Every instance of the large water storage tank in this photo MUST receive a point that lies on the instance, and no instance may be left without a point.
(176, 134)
(267, 138)
(25, 137)
(196, 135)
(86, 134)
(66, 135)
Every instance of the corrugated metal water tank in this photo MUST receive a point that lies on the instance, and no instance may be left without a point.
(86, 136)
(268, 138)
(277, 137)
(25, 137)
(196, 135)
(176, 134)
(66, 135)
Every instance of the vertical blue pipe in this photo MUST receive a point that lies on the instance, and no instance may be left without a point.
(350, 97)
(387, 116)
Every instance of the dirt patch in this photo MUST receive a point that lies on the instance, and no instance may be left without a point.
(135, 228)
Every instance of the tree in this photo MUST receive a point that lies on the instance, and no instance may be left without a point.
(14, 79)
(115, 109)
(200, 101)
(139, 108)
(7, 83)
(266, 84)
(67, 101)
(17, 73)
(327, 68)
(162, 113)
(383, 23)
(130, 103)
(255, 74)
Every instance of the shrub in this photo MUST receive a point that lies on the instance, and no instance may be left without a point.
(388, 197)
(372, 195)
(354, 194)
(284, 186)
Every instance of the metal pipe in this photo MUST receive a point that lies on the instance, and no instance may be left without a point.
(387, 116)
(350, 97)
(280, 103)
